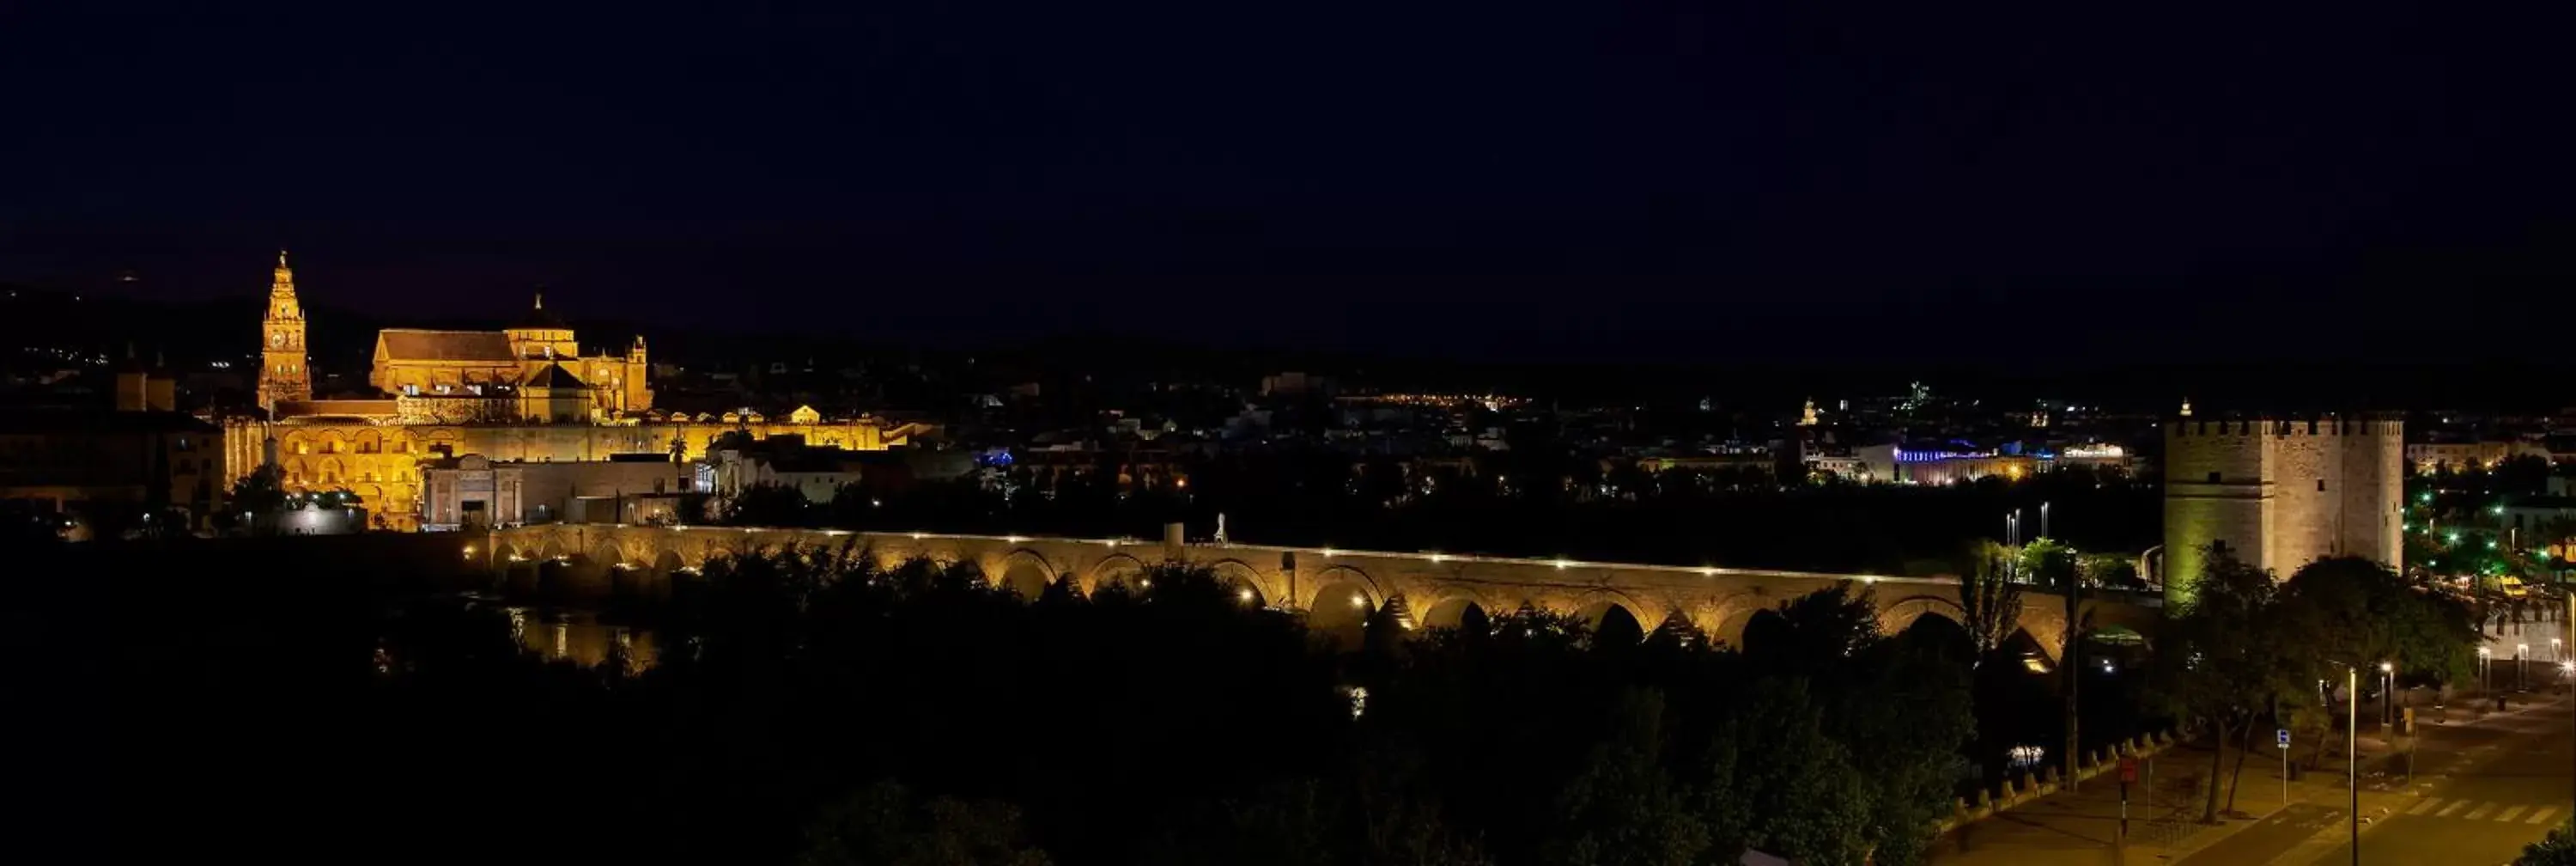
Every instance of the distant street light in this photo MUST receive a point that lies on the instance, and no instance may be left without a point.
(2387, 693)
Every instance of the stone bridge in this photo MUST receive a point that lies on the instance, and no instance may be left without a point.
(1337, 588)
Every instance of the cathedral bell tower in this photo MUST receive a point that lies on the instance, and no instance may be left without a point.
(283, 376)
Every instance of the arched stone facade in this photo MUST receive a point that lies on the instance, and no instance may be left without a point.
(1437, 588)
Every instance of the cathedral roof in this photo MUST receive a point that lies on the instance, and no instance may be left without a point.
(409, 345)
(555, 376)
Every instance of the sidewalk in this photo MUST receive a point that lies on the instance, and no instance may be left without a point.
(2079, 827)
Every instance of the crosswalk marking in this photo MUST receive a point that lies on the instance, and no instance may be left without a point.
(2482, 810)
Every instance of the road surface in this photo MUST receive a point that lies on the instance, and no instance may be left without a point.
(2486, 789)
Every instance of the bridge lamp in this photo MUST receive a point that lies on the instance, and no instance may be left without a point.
(1439, 558)
(1014, 539)
(1708, 572)
(1562, 563)
(1243, 595)
(1329, 551)
(1359, 601)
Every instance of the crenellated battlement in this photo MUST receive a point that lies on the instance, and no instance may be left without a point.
(2320, 425)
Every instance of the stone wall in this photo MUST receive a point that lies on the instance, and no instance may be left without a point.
(1424, 589)
(2030, 787)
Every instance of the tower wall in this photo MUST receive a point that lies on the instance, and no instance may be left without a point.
(2218, 489)
(2307, 507)
(283, 374)
(2281, 493)
(2374, 491)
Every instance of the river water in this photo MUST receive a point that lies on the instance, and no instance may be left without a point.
(581, 637)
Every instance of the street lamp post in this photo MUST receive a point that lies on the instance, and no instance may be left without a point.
(2387, 694)
(2521, 681)
(2352, 754)
(2567, 670)
(2485, 662)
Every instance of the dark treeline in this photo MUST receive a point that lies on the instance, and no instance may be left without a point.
(811, 707)
(1532, 505)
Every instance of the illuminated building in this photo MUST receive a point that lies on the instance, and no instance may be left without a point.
(473, 491)
(2427, 457)
(2281, 493)
(522, 394)
(1899, 464)
(283, 374)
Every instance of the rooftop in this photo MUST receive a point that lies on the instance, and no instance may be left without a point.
(406, 344)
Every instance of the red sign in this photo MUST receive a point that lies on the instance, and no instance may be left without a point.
(2128, 769)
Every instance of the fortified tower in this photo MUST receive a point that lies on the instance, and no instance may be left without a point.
(283, 377)
(2281, 493)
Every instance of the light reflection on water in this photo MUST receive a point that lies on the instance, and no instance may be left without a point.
(579, 637)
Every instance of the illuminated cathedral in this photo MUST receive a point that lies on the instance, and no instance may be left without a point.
(524, 392)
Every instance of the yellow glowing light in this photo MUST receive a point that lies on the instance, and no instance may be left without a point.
(1359, 601)
(1562, 563)
(1243, 595)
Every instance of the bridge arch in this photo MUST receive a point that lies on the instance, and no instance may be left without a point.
(601, 552)
(1116, 568)
(1603, 611)
(1026, 572)
(2044, 622)
(1251, 586)
(1460, 606)
(1897, 617)
(1340, 578)
(1339, 603)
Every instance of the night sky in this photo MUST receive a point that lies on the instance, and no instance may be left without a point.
(1508, 178)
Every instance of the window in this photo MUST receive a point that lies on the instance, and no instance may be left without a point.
(2321, 485)
(2213, 478)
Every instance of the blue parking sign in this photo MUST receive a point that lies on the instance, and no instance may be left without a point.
(2284, 738)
